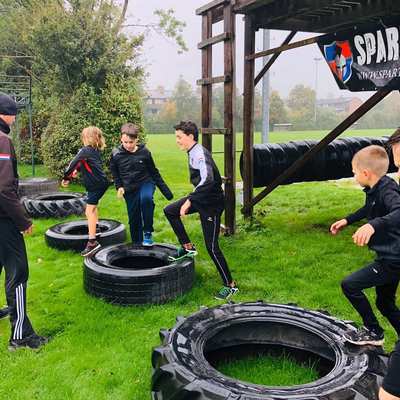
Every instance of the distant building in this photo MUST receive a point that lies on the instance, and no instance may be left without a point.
(345, 105)
(155, 100)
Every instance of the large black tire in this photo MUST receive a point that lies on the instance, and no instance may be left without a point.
(54, 204)
(73, 235)
(127, 274)
(183, 365)
(31, 186)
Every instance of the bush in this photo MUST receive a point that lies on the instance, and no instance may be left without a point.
(118, 103)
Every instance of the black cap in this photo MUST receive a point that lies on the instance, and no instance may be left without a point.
(7, 105)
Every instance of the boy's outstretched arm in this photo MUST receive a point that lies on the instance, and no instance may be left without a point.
(115, 173)
(158, 180)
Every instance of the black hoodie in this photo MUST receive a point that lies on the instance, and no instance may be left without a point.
(131, 170)
(10, 206)
(382, 210)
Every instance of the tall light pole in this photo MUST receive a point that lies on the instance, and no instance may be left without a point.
(316, 59)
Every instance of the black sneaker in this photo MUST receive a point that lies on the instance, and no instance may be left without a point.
(33, 342)
(3, 312)
(91, 248)
(364, 336)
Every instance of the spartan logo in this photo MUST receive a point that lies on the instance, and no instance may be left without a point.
(339, 56)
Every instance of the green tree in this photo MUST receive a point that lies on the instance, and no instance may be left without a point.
(301, 103)
(277, 109)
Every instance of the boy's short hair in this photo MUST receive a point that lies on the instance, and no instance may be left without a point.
(373, 158)
(188, 128)
(394, 138)
(130, 130)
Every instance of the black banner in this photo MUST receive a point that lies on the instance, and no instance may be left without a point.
(364, 58)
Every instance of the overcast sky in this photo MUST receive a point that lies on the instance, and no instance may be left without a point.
(164, 65)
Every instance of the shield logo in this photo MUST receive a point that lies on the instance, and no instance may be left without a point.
(339, 57)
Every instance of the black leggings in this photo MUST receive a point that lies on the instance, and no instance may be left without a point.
(210, 225)
(385, 279)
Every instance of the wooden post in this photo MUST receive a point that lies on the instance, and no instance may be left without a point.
(248, 116)
(206, 90)
(229, 120)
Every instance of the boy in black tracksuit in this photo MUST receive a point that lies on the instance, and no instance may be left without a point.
(390, 389)
(135, 177)
(13, 224)
(207, 199)
(382, 234)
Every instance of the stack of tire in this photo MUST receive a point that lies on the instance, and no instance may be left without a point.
(41, 199)
(185, 366)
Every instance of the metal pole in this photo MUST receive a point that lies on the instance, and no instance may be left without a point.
(31, 136)
(265, 91)
(316, 59)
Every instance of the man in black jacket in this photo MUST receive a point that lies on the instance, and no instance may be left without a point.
(13, 224)
(207, 199)
(135, 177)
(381, 234)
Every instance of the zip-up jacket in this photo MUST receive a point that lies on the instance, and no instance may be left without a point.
(207, 195)
(382, 210)
(132, 170)
(10, 206)
(88, 162)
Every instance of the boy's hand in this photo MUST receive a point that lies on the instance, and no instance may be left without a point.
(363, 235)
(28, 231)
(65, 183)
(185, 207)
(337, 226)
(120, 192)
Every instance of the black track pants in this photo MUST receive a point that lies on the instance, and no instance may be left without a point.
(210, 225)
(14, 261)
(385, 279)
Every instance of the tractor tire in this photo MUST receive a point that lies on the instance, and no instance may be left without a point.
(73, 235)
(184, 367)
(128, 274)
(32, 186)
(54, 204)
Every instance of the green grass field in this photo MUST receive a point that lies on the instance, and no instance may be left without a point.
(99, 351)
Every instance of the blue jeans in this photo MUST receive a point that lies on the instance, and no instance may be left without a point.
(140, 206)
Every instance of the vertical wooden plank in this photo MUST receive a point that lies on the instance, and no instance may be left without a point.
(229, 121)
(248, 116)
(206, 90)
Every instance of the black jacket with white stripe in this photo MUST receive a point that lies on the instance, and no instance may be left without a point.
(207, 195)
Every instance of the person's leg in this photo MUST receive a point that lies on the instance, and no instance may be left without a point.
(13, 258)
(391, 383)
(147, 209)
(353, 287)
(386, 301)
(92, 218)
(172, 212)
(135, 218)
(211, 227)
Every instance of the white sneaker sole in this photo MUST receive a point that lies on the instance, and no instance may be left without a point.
(91, 252)
(366, 342)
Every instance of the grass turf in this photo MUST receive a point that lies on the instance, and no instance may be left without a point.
(100, 351)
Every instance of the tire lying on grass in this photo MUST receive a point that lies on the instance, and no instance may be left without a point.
(31, 186)
(54, 204)
(184, 367)
(73, 235)
(127, 274)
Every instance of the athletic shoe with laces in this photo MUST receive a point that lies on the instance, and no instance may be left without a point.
(4, 312)
(182, 252)
(91, 248)
(364, 336)
(33, 342)
(226, 292)
(148, 239)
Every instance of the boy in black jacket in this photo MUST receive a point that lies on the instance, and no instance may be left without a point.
(381, 234)
(207, 199)
(13, 225)
(135, 177)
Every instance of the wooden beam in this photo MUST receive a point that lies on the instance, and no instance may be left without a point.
(285, 47)
(215, 131)
(209, 6)
(211, 81)
(350, 120)
(270, 62)
(248, 115)
(213, 40)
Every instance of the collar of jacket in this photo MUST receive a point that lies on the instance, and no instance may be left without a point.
(192, 147)
(382, 182)
(4, 127)
(123, 150)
